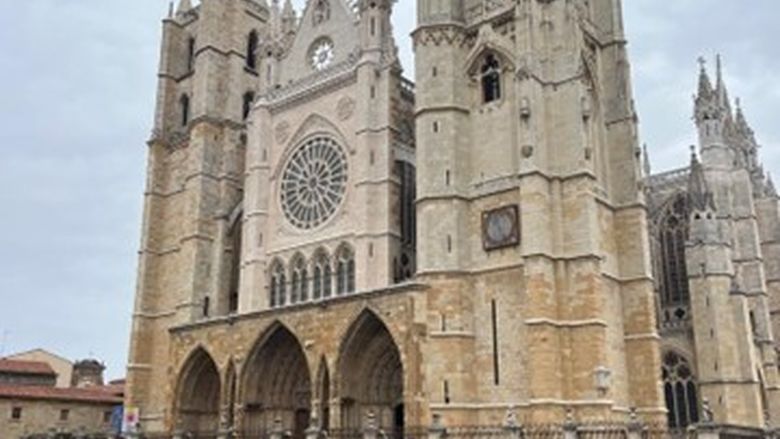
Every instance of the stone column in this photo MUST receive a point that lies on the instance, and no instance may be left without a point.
(707, 429)
(370, 429)
(277, 432)
(511, 427)
(238, 421)
(635, 427)
(315, 426)
(570, 426)
(437, 429)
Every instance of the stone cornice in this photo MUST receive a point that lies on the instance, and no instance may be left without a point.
(408, 287)
(312, 86)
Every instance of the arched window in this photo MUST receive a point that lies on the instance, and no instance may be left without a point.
(490, 77)
(299, 290)
(345, 271)
(327, 281)
(673, 233)
(190, 54)
(680, 391)
(251, 50)
(278, 287)
(184, 108)
(320, 284)
(249, 98)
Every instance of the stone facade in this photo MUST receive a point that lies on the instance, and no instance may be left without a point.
(713, 227)
(40, 416)
(324, 241)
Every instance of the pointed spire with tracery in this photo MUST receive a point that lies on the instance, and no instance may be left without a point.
(720, 87)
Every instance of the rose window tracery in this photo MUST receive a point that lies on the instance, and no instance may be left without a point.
(313, 183)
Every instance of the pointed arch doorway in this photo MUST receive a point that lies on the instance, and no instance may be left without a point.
(197, 396)
(371, 376)
(277, 385)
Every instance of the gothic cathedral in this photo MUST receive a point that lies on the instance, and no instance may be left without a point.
(326, 242)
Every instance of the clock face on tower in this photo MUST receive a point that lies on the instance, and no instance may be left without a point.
(313, 182)
(500, 228)
(321, 54)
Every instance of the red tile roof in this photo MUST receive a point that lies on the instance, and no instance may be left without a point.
(94, 395)
(25, 367)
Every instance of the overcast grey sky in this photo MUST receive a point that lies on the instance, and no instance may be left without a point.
(77, 84)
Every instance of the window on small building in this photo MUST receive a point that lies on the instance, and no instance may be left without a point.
(184, 109)
(16, 413)
(64, 414)
(251, 50)
(490, 77)
(680, 391)
(107, 415)
(249, 98)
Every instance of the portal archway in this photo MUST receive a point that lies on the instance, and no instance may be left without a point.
(197, 398)
(277, 385)
(371, 376)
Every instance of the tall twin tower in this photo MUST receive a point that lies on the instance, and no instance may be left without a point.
(326, 242)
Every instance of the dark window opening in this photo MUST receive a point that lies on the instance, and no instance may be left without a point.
(235, 267)
(190, 54)
(64, 414)
(491, 79)
(206, 306)
(494, 321)
(184, 104)
(16, 413)
(251, 50)
(249, 99)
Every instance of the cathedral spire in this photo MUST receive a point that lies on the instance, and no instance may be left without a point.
(721, 89)
(699, 193)
(289, 18)
(705, 85)
(646, 161)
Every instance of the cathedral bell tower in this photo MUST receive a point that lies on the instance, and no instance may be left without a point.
(740, 193)
(194, 183)
(530, 214)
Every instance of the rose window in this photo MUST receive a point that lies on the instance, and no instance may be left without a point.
(313, 183)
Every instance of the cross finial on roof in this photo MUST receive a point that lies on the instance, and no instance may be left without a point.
(702, 62)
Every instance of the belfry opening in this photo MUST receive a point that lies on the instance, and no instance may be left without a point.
(371, 376)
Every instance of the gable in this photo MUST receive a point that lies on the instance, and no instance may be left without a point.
(338, 25)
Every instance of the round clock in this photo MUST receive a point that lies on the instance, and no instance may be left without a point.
(313, 182)
(321, 54)
(500, 226)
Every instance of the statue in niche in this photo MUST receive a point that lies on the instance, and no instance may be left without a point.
(321, 11)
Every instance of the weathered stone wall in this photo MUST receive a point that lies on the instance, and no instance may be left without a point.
(41, 416)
